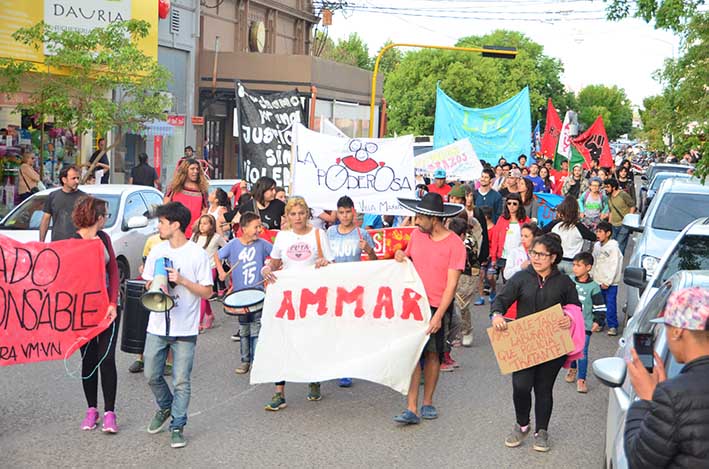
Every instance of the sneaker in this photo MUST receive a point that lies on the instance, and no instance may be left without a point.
(613, 331)
(277, 403)
(468, 340)
(448, 360)
(136, 366)
(408, 418)
(91, 419)
(109, 422)
(479, 302)
(208, 321)
(571, 375)
(429, 412)
(345, 382)
(314, 394)
(177, 439)
(517, 436)
(236, 337)
(445, 367)
(168, 370)
(581, 386)
(493, 295)
(541, 441)
(243, 368)
(159, 420)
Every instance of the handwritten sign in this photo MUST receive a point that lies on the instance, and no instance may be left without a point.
(53, 298)
(531, 340)
(458, 159)
(372, 171)
(363, 320)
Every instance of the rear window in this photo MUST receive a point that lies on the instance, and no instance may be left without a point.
(676, 211)
(29, 214)
(691, 253)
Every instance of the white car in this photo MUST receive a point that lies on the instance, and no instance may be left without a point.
(127, 224)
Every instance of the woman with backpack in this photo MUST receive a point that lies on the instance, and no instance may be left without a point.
(575, 237)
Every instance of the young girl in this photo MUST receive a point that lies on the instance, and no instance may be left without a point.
(206, 236)
(506, 234)
(218, 205)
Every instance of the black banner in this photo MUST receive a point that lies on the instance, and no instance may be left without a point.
(266, 132)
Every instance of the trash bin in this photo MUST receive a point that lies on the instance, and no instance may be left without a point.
(135, 318)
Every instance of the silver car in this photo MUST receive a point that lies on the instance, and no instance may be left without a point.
(678, 202)
(127, 224)
(647, 193)
(612, 371)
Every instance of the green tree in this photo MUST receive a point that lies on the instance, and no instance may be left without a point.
(667, 14)
(609, 102)
(351, 51)
(472, 80)
(390, 60)
(94, 81)
(656, 117)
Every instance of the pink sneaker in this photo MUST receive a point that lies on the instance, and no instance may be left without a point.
(90, 420)
(109, 422)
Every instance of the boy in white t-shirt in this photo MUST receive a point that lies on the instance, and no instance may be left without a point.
(175, 330)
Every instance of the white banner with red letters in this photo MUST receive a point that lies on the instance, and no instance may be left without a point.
(362, 320)
(458, 159)
(372, 171)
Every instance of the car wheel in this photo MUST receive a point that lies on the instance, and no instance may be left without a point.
(123, 276)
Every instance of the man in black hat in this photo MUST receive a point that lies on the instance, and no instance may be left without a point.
(438, 256)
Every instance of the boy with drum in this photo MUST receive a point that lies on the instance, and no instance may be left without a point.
(246, 255)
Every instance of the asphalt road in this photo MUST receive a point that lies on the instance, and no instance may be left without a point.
(41, 408)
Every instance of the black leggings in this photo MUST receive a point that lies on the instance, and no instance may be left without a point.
(541, 378)
(92, 353)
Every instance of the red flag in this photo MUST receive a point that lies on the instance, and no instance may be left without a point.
(550, 139)
(593, 143)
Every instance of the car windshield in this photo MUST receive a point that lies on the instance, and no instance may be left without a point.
(691, 253)
(660, 178)
(29, 214)
(676, 211)
(668, 169)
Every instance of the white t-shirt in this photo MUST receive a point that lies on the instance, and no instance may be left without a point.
(513, 239)
(316, 221)
(193, 264)
(299, 251)
(216, 243)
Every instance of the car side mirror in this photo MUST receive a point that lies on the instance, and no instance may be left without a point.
(632, 222)
(138, 221)
(610, 371)
(643, 178)
(635, 277)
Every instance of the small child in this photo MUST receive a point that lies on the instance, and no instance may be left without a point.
(206, 236)
(488, 270)
(594, 311)
(607, 271)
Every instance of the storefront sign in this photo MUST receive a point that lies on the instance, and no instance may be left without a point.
(266, 132)
(197, 120)
(177, 121)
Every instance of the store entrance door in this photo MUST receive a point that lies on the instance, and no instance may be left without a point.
(214, 144)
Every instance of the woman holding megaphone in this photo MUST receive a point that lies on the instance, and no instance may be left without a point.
(99, 355)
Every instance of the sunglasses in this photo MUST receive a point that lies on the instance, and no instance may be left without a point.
(513, 204)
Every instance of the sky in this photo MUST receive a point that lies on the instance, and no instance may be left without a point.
(592, 49)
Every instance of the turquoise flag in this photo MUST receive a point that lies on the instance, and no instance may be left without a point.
(497, 131)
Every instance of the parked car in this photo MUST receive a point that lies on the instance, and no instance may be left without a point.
(647, 193)
(612, 371)
(127, 223)
(663, 168)
(677, 203)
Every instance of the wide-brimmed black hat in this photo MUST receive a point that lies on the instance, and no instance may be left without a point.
(432, 205)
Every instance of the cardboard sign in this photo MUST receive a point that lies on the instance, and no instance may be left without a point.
(531, 340)
(53, 298)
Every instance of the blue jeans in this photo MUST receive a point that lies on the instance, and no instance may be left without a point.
(583, 362)
(154, 355)
(609, 296)
(248, 331)
(621, 234)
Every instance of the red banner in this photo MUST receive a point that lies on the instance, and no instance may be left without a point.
(552, 128)
(53, 298)
(386, 240)
(593, 144)
(157, 153)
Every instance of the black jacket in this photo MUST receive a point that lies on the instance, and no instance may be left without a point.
(532, 295)
(672, 430)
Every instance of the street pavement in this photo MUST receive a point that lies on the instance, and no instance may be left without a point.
(41, 408)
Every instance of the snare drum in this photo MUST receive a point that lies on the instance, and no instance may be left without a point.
(248, 300)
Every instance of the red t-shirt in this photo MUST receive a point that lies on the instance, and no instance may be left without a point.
(432, 260)
(443, 191)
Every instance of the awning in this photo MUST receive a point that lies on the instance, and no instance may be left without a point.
(155, 127)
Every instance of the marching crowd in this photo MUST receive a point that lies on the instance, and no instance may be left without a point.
(477, 242)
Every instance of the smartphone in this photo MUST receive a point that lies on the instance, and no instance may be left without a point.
(644, 346)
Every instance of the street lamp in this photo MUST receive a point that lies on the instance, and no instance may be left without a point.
(494, 52)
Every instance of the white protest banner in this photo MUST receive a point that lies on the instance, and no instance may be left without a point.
(458, 159)
(372, 171)
(364, 320)
(328, 128)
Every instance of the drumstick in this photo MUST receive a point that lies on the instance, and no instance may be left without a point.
(233, 267)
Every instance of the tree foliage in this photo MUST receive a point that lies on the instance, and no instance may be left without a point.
(351, 51)
(656, 117)
(667, 14)
(472, 80)
(92, 81)
(609, 102)
(390, 60)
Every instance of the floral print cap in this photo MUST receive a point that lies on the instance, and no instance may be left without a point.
(687, 309)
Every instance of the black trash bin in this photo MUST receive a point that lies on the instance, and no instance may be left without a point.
(135, 318)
